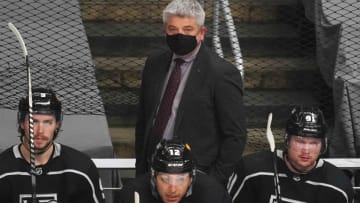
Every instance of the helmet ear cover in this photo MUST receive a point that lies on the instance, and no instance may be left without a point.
(307, 122)
(172, 156)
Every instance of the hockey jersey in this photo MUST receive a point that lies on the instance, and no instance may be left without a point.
(253, 181)
(68, 177)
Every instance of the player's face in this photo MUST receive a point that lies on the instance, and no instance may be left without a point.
(303, 152)
(172, 187)
(44, 129)
(186, 26)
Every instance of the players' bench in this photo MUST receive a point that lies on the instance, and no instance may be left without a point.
(114, 163)
(129, 164)
(121, 164)
(346, 163)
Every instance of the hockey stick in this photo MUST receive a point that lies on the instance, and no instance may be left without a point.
(271, 140)
(136, 197)
(31, 120)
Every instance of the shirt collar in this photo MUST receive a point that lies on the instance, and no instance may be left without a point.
(17, 153)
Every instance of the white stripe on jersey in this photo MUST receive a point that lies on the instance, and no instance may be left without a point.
(231, 182)
(234, 177)
(16, 173)
(251, 176)
(79, 173)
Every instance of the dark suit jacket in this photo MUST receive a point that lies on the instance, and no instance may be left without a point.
(210, 116)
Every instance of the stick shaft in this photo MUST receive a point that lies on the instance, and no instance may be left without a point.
(31, 120)
(271, 140)
(276, 179)
(31, 129)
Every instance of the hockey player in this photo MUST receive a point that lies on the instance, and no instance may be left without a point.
(174, 179)
(63, 174)
(303, 176)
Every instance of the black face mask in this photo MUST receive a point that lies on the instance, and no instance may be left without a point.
(181, 44)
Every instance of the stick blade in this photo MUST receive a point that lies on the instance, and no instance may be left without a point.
(136, 197)
(269, 134)
(18, 37)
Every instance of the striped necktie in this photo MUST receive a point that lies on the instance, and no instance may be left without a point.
(164, 111)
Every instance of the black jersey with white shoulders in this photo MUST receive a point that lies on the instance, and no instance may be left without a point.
(69, 176)
(253, 181)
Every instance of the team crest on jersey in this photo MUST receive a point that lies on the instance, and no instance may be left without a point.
(41, 198)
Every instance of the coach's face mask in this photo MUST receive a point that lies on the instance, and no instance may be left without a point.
(181, 44)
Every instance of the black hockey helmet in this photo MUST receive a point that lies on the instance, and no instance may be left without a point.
(306, 122)
(44, 101)
(172, 156)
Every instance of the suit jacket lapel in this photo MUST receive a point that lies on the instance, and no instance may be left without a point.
(161, 67)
